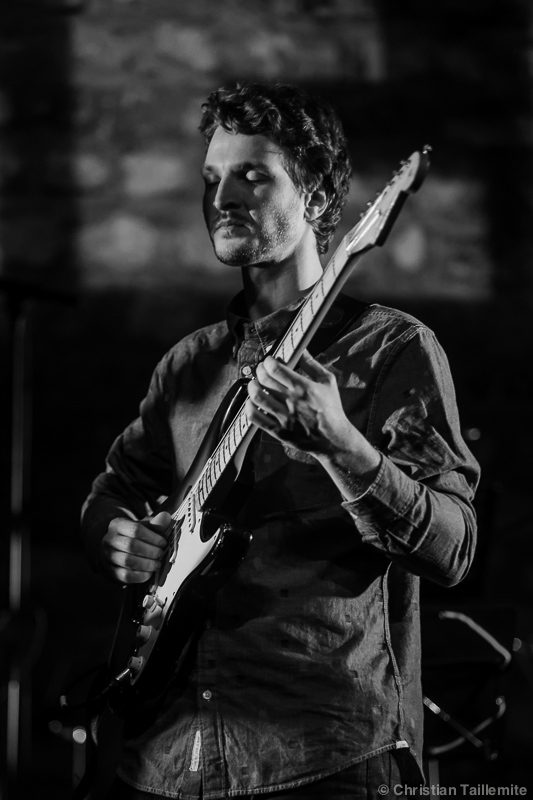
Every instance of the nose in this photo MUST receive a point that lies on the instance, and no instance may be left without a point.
(227, 194)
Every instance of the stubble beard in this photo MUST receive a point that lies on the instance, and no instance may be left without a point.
(248, 254)
(267, 247)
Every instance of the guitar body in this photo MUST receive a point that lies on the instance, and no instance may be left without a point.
(157, 625)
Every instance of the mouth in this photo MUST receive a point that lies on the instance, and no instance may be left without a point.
(231, 225)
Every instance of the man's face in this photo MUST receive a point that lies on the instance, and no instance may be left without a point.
(253, 211)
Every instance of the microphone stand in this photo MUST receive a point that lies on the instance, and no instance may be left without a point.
(21, 628)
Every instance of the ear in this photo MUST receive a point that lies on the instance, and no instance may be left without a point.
(315, 204)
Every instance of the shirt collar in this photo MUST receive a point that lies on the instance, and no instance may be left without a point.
(266, 328)
(272, 326)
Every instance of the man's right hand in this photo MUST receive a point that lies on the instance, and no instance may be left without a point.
(131, 551)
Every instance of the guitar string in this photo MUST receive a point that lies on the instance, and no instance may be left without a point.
(200, 488)
(223, 452)
(216, 459)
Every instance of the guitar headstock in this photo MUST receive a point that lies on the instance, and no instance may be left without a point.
(375, 223)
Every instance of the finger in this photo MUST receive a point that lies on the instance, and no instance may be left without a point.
(136, 547)
(136, 530)
(267, 401)
(313, 369)
(284, 374)
(161, 522)
(133, 563)
(261, 419)
(268, 381)
(130, 576)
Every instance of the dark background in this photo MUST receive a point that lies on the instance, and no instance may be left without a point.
(99, 206)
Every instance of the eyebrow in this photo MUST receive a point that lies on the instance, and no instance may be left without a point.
(241, 166)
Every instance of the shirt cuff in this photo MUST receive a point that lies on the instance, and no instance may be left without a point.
(385, 508)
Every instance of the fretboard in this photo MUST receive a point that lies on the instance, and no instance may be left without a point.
(288, 350)
(371, 229)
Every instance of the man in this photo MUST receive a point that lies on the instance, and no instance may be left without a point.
(305, 682)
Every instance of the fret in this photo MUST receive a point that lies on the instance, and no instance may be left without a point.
(307, 311)
(226, 446)
(332, 266)
(232, 433)
(197, 491)
(328, 281)
(224, 458)
(226, 450)
(298, 325)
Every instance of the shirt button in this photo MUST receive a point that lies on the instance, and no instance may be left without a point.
(246, 370)
(207, 695)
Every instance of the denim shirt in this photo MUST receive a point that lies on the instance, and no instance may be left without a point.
(310, 661)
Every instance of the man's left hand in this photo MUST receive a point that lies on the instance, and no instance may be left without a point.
(302, 408)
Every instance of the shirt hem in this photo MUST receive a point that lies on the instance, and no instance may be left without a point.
(295, 784)
(219, 794)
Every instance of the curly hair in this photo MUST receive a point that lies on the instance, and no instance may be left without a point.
(306, 128)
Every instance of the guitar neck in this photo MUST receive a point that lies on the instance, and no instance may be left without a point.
(372, 229)
(288, 350)
(316, 306)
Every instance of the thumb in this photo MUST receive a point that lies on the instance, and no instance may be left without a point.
(161, 521)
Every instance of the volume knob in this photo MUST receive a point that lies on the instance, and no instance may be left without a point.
(136, 663)
(151, 602)
(144, 632)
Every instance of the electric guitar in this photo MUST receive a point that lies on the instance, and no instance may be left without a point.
(159, 622)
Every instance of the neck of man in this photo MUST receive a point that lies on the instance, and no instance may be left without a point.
(273, 285)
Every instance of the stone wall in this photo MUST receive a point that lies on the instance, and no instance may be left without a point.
(102, 99)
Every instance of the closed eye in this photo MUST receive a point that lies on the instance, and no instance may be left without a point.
(254, 176)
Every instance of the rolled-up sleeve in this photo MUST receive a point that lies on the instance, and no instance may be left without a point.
(419, 507)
